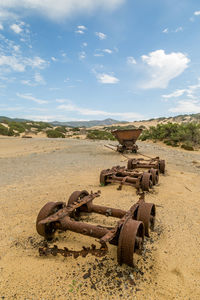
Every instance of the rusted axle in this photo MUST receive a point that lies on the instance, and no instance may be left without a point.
(154, 163)
(143, 180)
(128, 234)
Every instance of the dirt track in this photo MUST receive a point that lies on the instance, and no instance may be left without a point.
(35, 171)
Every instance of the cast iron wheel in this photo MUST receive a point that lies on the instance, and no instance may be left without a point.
(162, 166)
(155, 175)
(130, 241)
(103, 178)
(146, 182)
(50, 208)
(73, 198)
(129, 165)
(146, 213)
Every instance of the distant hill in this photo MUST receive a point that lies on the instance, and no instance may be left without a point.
(88, 124)
(2, 118)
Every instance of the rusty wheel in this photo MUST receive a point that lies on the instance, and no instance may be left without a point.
(75, 196)
(103, 178)
(146, 214)
(162, 166)
(47, 230)
(129, 165)
(130, 241)
(146, 182)
(155, 175)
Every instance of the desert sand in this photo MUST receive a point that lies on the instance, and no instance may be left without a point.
(35, 171)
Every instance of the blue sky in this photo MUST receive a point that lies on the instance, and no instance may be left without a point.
(95, 59)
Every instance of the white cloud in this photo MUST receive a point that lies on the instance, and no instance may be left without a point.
(81, 27)
(131, 60)
(197, 13)
(179, 29)
(107, 51)
(60, 9)
(30, 97)
(175, 94)
(98, 54)
(16, 28)
(82, 55)
(80, 31)
(12, 62)
(90, 112)
(101, 35)
(39, 78)
(36, 62)
(107, 79)
(166, 30)
(84, 44)
(186, 106)
(1, 26)
(53, 58)
(164, 67)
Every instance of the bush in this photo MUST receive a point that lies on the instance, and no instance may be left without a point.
(174, 134)
(100, 135)
(61, 129)
(187, 146)
(54, 134)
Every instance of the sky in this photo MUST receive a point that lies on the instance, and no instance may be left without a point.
(69, 60)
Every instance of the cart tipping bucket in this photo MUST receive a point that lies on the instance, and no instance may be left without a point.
(127, 139)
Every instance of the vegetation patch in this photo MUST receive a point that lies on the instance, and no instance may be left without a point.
(100, 135)
(54, 134)
(186, 135)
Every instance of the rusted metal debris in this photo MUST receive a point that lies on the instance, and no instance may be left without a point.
(155, 163)
(127, 139)
(127, 235)
(123, 176)
(46, 250)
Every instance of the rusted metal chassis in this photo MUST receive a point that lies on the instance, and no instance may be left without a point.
(128, 234)
(127, 147)
(155, 163)
(143, 180)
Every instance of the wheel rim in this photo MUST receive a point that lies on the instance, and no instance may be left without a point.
(47, 230)
(130, 240)
(73, 198)
(146, 214)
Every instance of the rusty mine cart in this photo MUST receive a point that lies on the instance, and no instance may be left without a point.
(127, 139)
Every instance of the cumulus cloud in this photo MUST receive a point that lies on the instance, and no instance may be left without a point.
(164, 67)
(60, 9)
(190, 103)
(101, 35)
(197, 13)
(186, 106)
(107, 79)
(31, 98)
(82, 55)
(12, 63)
(90, 112)
(1, 26)
(107, 51)
(16, 28)
(166, 30)
(131, 60)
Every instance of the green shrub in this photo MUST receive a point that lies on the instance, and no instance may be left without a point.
(100, 135)
(3, 130)
(54, 134)
(174, 134)
(187, 146)
(75, 129)
(61, 129)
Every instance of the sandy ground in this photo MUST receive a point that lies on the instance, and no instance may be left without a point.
(35, 171)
